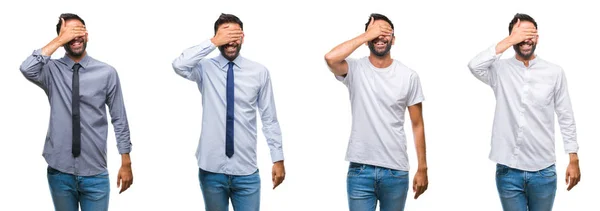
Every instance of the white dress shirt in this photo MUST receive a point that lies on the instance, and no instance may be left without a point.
(252, 90)
(526, 100)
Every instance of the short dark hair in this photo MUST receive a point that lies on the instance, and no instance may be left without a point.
(227, 18)
(377, 16)
(522, 17)
(66, 17)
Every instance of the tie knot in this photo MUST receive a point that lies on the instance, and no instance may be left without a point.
(76, 66)
(230, 64)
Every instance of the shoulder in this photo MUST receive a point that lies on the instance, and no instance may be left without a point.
(402, 68)
(551, 67)
(101, 66)
(254, 66)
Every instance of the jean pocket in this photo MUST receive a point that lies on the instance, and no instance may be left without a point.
(355, 169)
(501, 170)
(398, 173)
(548, 172)
(102, 175)
(52, 171)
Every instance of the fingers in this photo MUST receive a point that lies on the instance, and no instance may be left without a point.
(571, 183)
(419, 189)
(127, 181)
(277, 178)
(119, 181)
(386, 30)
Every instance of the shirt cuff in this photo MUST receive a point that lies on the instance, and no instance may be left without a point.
(572, 147)
(207, 44)
(41, 58)
(125, 149)
(492, 52)
(276, 155)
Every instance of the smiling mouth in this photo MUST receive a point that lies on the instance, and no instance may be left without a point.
(380, 44)
(76, 44)
(230, 49)
(526, 47)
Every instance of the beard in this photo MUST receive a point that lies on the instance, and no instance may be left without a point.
(75, 52)
(524, 55)
(228, 54)
(381, 53)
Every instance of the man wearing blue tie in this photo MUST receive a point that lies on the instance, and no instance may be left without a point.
(232, 89)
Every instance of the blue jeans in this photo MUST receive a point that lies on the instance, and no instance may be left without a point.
(366, 184)
(217, 189)
(526, 190)
(69, 191)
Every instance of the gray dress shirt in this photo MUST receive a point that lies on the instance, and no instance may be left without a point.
(252, 91)
(99, 86)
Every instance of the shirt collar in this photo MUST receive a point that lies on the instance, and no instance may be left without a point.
(85, 61)
(223, 61)
(521, 64)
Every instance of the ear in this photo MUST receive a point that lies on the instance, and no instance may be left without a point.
(393, 39)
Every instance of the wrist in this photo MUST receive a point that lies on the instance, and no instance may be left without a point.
(214, 41)
(573, 158)
(363, 38)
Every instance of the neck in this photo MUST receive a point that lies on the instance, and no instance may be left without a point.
(381, 61)
(77, 59)
(525, 60)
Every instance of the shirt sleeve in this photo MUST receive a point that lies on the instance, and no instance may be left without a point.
(347, 79)
(481, 65)
(564, 112)
(268, 114)
(416, 92)
(33, 69)
(118, 115)
(187, 65)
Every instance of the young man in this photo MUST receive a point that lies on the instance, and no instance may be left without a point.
(232, 89)
(381, 89)
(528, 91)
(78, 88)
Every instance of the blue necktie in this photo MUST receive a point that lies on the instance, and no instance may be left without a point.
(229, 122)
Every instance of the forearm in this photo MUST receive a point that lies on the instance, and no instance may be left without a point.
(125, 160)
(52, 46)
(419, 136)
(504, 45)
(118, 114)
(573, 158)
(337, 55)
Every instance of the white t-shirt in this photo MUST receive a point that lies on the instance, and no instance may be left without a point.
(379, 98)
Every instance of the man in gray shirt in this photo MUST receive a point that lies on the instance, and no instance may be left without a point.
(75, 146)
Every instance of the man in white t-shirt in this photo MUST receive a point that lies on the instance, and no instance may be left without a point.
(381, 89)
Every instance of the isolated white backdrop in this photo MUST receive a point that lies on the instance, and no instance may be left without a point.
(436, 38)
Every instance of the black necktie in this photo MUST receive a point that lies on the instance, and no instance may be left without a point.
(76, 149)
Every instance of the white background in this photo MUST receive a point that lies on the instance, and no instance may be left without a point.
(436, 38)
